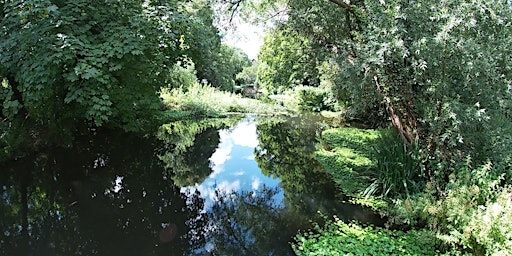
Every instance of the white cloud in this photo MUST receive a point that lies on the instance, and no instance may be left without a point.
(255, 183)
(239, 173)
(245, 135)
(221, 155)
(226, 186)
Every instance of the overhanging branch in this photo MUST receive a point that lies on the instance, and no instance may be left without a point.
(342, 4)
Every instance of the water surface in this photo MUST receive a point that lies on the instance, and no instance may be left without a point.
(206, 187)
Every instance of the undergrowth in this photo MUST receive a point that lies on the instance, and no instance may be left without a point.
(340, 238)
(468, 214)
(206, 101)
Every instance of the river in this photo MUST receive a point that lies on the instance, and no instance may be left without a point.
(232, 186)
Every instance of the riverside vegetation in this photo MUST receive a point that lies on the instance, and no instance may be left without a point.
(431, 79)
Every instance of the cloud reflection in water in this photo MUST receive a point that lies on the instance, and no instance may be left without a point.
(234, 168)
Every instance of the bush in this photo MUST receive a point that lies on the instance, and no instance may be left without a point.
(473, 213)
(183, 74)
(309, 98)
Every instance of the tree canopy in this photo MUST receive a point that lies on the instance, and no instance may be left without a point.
(97, 61)
(439, 72)
(66, 63)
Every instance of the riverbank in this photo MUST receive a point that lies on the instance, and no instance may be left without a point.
(205, 101)
(469, 216)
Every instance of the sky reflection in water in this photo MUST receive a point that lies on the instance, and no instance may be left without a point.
(233, 164)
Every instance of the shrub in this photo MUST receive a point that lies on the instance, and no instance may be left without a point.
(183, 74)
(309, 98)
(473, 213)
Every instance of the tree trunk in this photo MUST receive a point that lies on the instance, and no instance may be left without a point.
(342, 4)
(401, 116)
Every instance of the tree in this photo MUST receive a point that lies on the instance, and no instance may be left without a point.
(438, 70)
(288, 59)
(249, 75)
(231, 61)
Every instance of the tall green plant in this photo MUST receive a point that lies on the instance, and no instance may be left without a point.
(396, 169)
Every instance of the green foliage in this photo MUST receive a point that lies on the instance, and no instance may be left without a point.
(249, 74)
(204, 100)
(287, 60)
(414, 61)
(396, 166)
(340, 238)
(85, 53)
(440, 72)
(313, 98)
(472, 214)
(202, 42)
(230, 62)
(183, 75)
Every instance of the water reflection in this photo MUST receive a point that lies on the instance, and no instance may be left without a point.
(233, 166)
(188, 146)
(64, 203)
(205, 187)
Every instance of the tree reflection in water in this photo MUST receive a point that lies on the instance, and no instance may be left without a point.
(188, 146)
(245, 223)
(107, 196)
(260, 221)
(120, 194)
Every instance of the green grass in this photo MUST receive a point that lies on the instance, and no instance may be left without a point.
(206, 101)
(367, 162)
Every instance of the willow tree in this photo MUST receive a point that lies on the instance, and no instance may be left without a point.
(440, 70)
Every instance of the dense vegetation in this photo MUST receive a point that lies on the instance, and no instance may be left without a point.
(439, 74)
(67, 66)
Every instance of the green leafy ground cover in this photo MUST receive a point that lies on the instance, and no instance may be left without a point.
(340, 238)
(345, 153)
(470, 215)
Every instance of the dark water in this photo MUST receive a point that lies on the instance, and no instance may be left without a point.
(209, 187)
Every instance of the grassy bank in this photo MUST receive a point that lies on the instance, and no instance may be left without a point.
(205, 101)
(469, 215)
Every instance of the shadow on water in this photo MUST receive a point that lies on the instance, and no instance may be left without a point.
(120, 194)
(106, 196)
